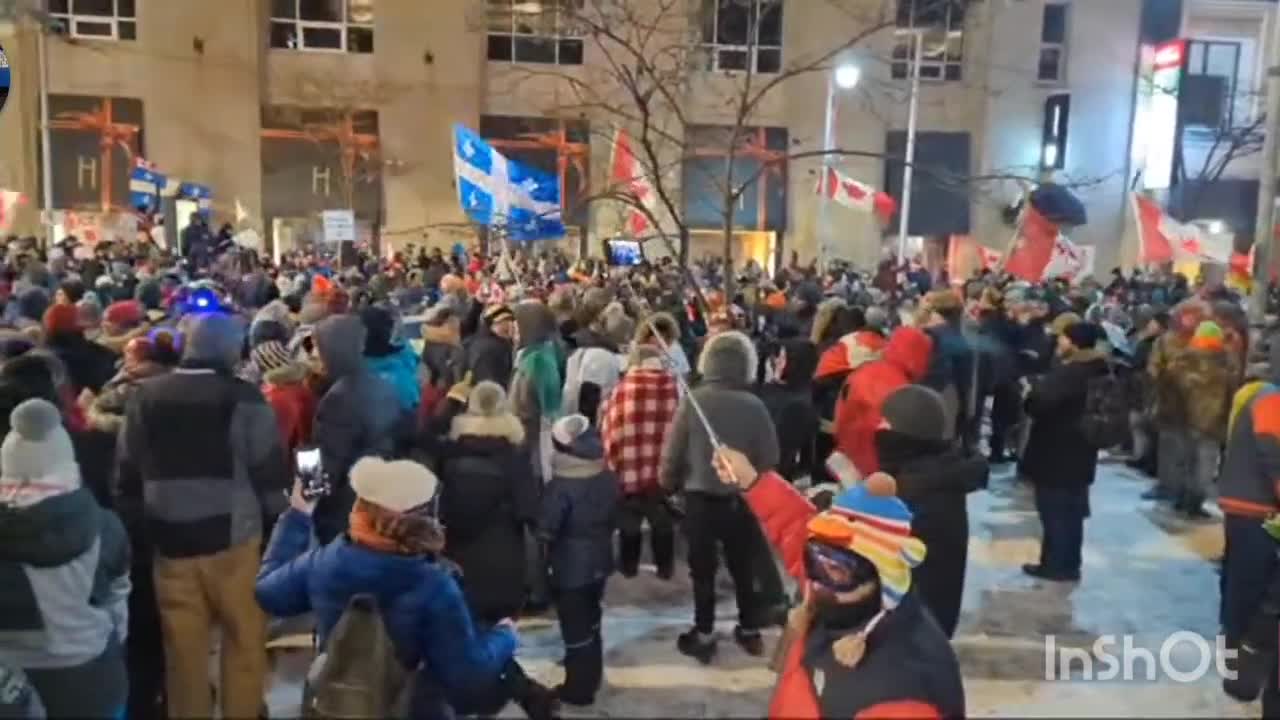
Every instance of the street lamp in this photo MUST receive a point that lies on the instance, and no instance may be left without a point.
(908, 165)
(844, 77)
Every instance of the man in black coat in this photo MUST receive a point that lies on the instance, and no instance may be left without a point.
(489, 354)
(1059, 460)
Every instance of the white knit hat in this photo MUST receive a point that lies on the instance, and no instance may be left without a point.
(398, 485)
(37, 455)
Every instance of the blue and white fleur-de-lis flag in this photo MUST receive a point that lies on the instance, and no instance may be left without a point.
(145, 185)
(497, 192)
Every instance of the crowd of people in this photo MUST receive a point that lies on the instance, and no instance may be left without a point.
(449, 441)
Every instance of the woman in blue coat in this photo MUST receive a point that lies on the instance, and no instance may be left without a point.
(391, 552)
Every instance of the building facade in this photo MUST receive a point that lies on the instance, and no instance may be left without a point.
(287, 107)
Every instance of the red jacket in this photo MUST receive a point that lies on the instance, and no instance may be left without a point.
(903, 362)
(917, 677)
(295, 408)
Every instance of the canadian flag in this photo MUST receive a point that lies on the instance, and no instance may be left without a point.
(628, 176)
(1034, 248)
(853, 194)
(1163, 239)
(9, 202)
(1069, 260)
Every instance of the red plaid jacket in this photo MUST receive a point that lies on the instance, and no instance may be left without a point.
(633, 425)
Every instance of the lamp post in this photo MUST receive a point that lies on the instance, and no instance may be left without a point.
(845, 77)
(908, 165)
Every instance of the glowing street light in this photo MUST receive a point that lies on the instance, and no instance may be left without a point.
(847, 76)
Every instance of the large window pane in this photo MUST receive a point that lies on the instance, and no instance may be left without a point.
(321, 38)
(771, 23)
(500, 47)
(94, 29)
(125, 8)
(284, 9)
(360, 39)
(320, 10)
(732, 23)
(535, 50)
(60, 6)
(284, 35)
(105, 8)
(1221, 59)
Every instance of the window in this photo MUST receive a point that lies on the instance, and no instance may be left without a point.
(741, 35)
(1052, 67)
(1212, 81)
(535, 32)
(940, 24)
(1057, 116)
(96, 19)
(322, 25)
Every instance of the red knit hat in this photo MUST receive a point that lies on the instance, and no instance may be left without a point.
(61, 318)
(124, 314)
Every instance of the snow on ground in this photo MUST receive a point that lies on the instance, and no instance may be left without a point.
(1147, 574)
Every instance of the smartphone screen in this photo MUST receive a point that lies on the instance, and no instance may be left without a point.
(307, 460)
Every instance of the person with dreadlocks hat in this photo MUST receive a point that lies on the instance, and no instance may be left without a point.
(861, 644)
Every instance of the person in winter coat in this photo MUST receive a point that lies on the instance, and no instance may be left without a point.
(1205, 375)
(106, 411)
(788, 394)
(537, 385)
(862, 644)
(488, 499)
(121, 322)
(1169, 411)
(952, 370)
(634, 422)
(490, 353)
(392, 551)
(715, 519)
(358, 416)
(851, 351)
(904, 361)
(1059, 460)
(596, 366)
(64, 562)
(89, 365)
(199, 464)
(933, 480)
(284, 385)
(579, 513)
(442, 355)
(393, 361)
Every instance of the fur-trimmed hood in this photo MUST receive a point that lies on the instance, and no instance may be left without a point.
(289, 374)
(505, 426)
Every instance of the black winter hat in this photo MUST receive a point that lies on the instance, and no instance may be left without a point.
(917, 411)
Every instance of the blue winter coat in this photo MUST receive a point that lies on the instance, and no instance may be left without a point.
(421, 603)
(400, 370)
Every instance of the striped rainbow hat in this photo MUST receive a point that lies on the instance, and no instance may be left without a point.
(869, 520)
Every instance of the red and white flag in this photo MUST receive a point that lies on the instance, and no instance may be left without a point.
(1163, 239)
(629, 176)
(1034, 247)
(1069, 260)
(9, 202)
(853, 194)
(990, 258)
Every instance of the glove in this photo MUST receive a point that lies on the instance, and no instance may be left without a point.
(461, 390)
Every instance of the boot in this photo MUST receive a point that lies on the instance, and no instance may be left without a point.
(749, 640)
(697, 646)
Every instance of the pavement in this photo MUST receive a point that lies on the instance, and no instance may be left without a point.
(1147, 574)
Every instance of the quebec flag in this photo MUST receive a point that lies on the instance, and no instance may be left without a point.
(497, 192)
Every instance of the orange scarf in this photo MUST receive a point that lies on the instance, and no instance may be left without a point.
(408, 533)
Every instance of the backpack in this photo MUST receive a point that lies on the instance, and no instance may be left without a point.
(1108, 397)
(358, 675)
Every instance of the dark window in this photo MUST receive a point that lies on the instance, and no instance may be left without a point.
(743, 35)
(322, 25)
(543, 32)
(321, 10)
(1054, 27)
(95, 19)
(1051, 66)
(321, 38)
(1213, 73)
(943, 24)
(102, 8)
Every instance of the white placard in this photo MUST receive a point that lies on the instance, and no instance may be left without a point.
(339, 226)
